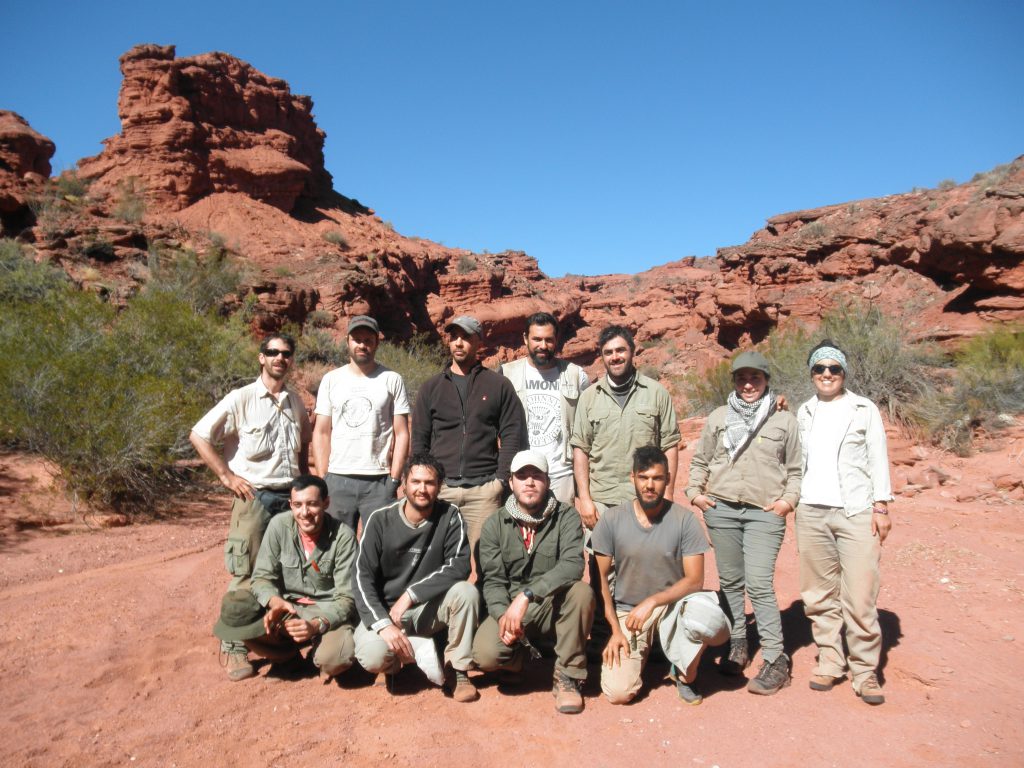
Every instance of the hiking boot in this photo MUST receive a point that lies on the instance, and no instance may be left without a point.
(238, 666)
(870, 690)
(687, 692)
(566, 690)
(464, 690)
(823, 682)
(772, 677)
(737, 660)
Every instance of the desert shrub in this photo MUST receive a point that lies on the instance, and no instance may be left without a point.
(68, 184)
(465, 264)
(335, 237)
(109, 398)
(21, 279)
(282, 271)
(129, 201)
(317, 346)
(946, 184)
(320, 318)
(988, 381)
(201, 280)
(417, 360)
(883, 365)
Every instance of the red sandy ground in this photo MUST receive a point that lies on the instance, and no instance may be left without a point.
(107, 659)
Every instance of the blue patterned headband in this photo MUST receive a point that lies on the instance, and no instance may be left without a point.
(828, 353)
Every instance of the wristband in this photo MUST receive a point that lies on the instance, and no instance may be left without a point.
(880, 510)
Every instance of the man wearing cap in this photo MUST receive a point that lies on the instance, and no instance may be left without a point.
(266, 433)
(549, 389)
(471, 420)
(531, 558)
(410, 583)
(658, 550)
(361, 438)
(301, 591)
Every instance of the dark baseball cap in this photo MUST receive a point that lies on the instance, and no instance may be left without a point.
(363, 321)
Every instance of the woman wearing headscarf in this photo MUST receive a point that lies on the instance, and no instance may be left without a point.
(841, 523)
(745, 478)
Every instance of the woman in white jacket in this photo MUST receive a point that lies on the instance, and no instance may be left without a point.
(841, 522)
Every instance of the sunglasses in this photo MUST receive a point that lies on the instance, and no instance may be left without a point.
(285, 353)
(819, 369)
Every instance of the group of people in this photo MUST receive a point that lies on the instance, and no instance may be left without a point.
(512, 481)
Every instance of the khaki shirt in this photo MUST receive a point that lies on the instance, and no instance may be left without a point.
(609, 435)
(263, 434)
(768, 468)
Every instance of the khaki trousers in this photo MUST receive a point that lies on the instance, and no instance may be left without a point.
(839, 581)
(333, 652)
(457, 610)
(567, 616)
(476, 504)
(622, 682)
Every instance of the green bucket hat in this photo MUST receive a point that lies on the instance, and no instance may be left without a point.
(241, 617)
(751, 359)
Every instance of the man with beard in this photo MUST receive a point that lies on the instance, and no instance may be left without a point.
(361, 438)
(531, 557)
(265, 432)
(410, 583)
(549, 389)
(658, 550)
(469, 417)
(301, 586)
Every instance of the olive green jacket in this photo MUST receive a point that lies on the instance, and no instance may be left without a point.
(768, 468)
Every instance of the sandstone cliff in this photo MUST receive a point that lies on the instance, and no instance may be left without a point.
(212, 149)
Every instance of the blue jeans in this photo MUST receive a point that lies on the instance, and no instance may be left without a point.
(747, 541)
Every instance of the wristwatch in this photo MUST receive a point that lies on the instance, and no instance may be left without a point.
(530, 597)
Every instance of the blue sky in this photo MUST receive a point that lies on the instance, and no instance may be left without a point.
(596, 136)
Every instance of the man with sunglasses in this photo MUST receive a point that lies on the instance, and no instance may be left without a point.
(265, 434)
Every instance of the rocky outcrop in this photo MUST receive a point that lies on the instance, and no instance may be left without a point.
(24, 168)
(204, 124)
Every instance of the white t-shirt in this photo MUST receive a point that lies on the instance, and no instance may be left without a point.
(821, 479)
(543, 403)
(362, 410)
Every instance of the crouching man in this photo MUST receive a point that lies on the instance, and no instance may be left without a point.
(658, 552)
(411, 583)
(531, 558)
(301, 591)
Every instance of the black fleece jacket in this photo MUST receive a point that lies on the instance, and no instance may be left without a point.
(476, 439)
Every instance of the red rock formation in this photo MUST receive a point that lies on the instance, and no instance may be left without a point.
(24, 167)
(205, 124)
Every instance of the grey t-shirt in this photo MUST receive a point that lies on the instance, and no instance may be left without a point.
(647, 560)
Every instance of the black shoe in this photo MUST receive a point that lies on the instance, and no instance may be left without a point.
(737, 660)
(772, 677)
(687, 692)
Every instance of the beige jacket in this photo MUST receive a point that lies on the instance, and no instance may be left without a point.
(768, 468)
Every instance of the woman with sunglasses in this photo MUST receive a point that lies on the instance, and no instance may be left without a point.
(745, 479)
(841, 522)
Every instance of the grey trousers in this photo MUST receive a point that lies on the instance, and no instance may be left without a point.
(458, 610)
(747, 542)
(356, 496)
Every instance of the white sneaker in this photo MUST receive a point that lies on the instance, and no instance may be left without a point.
(427, 659)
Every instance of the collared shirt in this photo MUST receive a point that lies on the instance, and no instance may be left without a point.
(609, 435)
(322, 579)
(263, 433)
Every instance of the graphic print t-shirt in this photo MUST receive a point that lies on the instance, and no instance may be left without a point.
(543, 403)
(362, 410)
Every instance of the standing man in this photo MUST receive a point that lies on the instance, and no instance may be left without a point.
(410, 583)
(470, 419)
(265, 433)
(549, 389)
(623, 411)
(658, 550)
(361, 438)
(301, 586)
(531, 557)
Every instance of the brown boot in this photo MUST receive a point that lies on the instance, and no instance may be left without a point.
(464, 690)
(870, 690)
(238, 666)
(566, 690)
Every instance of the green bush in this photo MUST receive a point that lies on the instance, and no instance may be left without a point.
(202, 281)
(129, 203)
(109, 398)
(335, 237)
(320, 318)
(21, 279)
(417, 360)
(989, 381)
(465, 264)
(317, 346)
(706, 390)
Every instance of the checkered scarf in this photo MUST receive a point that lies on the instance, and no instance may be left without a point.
(743, 419)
